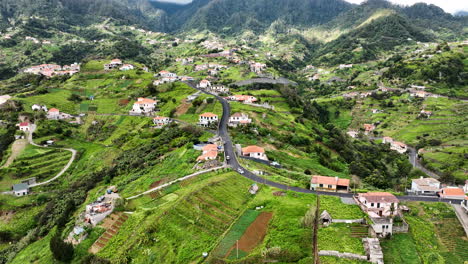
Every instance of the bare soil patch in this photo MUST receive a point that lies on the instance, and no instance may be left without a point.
(16, 149)
(254, 234)
(182, 109)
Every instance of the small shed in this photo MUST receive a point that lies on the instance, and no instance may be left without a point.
(325, 218)
(253, 189)
(21, 189)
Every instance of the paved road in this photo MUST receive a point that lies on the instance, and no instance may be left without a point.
(234, 163)
(72, 159)
(462, 216)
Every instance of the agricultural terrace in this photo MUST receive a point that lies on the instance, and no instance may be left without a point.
(433, 226)
(40, 163)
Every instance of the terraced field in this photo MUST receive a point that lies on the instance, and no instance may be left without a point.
(182, 232)
(34, 162)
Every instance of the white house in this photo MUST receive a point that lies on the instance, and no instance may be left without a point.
(239, 119)
(143, 106)
(167, 74)
(21, 189)
(219, 89)
(204, 84)
(36, 107)
(24, 126)
(254, 152)
(113, 64)
(464, 204)
(243, 98)
(425, 186)
(127, 67)
(53, 113)
(207, 119)
(379, 204)
(161, 121)
(353, 134)
(395, 145)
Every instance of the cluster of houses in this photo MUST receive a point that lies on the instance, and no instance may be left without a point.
(212, 45)
(395, 145)
(143, 106)
(117, 63)
(51, 70)
(169, 77)
(357, 94)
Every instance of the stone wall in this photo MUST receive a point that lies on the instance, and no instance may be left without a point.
(349, 221)
(342, 255)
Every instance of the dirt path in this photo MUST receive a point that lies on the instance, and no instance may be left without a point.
(16, 149)
(254, 234)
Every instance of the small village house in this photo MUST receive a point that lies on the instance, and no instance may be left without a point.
(248, 99)
(21, 189)
(379, 204)
(254, 152)
(381, 207)
(400, 147)
(161, 121)
(368, 128)
(425, 186)
(53, 113)
(353, 134)
(209, 152)
(204, 84)
(329, 184)
(239, 119)
(143, 106)
(219, 89)
(113, 64)
(452, 193)
(166, 74)
(207, 119)
(24, 126)
(127, 67)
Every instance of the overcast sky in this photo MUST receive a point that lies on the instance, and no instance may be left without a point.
(450, 6)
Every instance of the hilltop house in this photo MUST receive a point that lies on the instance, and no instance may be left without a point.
(395, 145)
(329, 184)
(257, 67)
(50, 70)
(219, 89)
(207, 119)
(452, 193)
(24, 126)
(21, 189)
(248, 99)
(425, 186)
(161, 121)
(254, 152)
(113, 64)
(209, 152)
(143, 106)
(368, 128)
(204, 84)
(127, 67)
(239, 119)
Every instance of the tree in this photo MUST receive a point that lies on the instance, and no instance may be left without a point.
(61, 250)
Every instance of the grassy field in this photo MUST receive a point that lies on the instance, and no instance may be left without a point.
(338, 237)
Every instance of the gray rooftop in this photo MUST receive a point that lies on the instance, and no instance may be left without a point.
(20, 187)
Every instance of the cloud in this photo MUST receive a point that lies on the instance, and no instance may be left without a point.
(450, 6)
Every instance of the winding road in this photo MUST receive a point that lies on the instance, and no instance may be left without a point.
(234, 163)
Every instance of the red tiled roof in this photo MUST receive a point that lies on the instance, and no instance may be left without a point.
(329, 180)
(453, 191)
(54, 110)
(379, 197)
(210, 147)
(159, 118)
(253, 149)
(24, 124)
(145, 101)
(208, 115)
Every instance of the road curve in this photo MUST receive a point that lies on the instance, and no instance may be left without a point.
(234, 163)
(70, 162)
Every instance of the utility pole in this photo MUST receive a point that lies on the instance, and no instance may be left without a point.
(315, 235)
(237, 246)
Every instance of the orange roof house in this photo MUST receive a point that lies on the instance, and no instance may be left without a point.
(452, 193)
(324, 183)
